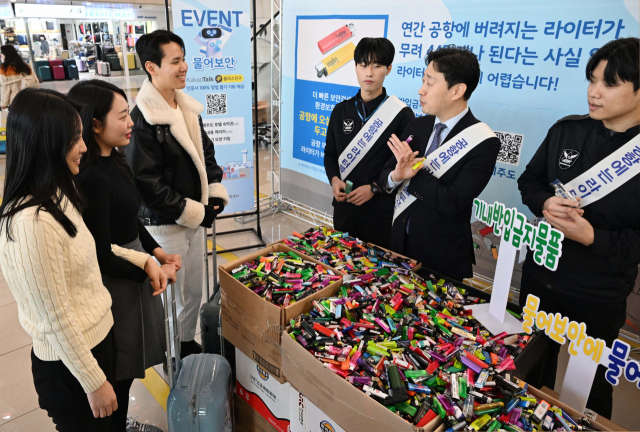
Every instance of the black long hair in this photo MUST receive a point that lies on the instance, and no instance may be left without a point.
(96, 99)
(12, 58)
(42, 127)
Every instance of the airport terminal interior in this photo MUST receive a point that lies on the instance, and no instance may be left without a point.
(19, 410)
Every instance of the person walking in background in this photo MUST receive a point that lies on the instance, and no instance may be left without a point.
(48, 258)
(174, 166)
(15, 75)
(111, 214)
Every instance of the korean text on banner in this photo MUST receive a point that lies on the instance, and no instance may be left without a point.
(218, 51)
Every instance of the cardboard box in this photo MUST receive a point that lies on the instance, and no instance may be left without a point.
(600, 423)
(349, 407)
(248, 419)
(306, 417)
(255, 325)
(265, 395)
(263, 111)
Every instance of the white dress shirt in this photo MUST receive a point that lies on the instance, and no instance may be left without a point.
(449, 125)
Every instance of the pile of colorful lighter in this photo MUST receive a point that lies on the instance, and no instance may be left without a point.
(408, 343)
(344, 253)
(283, 278)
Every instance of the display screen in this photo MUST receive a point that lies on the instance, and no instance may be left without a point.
(211, 33)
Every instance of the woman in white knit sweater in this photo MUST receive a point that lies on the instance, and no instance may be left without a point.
(48, 258)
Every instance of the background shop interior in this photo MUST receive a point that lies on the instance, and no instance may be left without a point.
(81, 31)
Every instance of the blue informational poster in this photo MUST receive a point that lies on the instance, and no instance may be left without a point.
(532, 56)
(217, 37)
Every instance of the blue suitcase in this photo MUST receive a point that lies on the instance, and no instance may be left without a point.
(44, 72)
(201, 397)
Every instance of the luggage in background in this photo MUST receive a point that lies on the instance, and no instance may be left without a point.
(43, 63)
(103, 68)
(58, 72)
(67, 73)
(81, 63)
(44, 73)
(71, 72)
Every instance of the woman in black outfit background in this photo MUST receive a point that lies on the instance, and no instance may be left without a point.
(112, 217)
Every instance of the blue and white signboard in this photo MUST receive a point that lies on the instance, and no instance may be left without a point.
(532, 56)
(217, 37)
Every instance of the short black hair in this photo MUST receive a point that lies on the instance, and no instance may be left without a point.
(622, 57)
(374, 50)
(149, 47)
(459, 66)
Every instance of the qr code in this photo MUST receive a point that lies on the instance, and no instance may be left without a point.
(216, 103)
(510, 147)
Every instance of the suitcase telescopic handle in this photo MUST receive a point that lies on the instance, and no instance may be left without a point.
(171, 333)
(214, 254)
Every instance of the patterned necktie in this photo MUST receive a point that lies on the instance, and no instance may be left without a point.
(436, 139)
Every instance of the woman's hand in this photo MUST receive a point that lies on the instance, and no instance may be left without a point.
(165, 258)
(103, 401)
(157, 275)
(170, 270)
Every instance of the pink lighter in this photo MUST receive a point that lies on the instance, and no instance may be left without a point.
(336, 38)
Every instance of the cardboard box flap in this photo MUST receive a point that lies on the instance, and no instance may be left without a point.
(349, 407)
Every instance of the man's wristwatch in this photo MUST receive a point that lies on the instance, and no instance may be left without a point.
(375, 189)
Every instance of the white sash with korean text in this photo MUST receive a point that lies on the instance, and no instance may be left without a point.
(441, 160)
(608, 174)
(369, 135)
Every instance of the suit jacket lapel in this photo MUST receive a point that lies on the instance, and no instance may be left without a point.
(422, 144)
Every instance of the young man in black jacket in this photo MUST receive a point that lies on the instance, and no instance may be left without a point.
(601, 249)
(434, 199)
(175, 169)
(367, 211)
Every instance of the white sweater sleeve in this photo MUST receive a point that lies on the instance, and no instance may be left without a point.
(41, 264)
(136, 258)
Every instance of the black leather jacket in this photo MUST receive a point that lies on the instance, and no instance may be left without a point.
(164, 172)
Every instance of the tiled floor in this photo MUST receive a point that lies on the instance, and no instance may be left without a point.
(19, 411)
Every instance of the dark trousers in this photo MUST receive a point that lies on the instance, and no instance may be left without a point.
(63, 398)
(603, 319)
(119, 417)
(371, 230)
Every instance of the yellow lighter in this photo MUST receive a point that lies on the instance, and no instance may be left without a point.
(334, 61)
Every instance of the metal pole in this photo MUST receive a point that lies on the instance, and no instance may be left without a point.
(166, 13)
(255, 113)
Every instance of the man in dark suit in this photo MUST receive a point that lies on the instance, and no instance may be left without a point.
(434, 203)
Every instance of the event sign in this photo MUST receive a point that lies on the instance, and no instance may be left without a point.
(218, 51)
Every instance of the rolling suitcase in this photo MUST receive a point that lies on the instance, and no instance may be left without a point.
(201, 396)
(81, 63)
(210, 317)
(43, 63)
(114, 62)
(44, 72)
(71, 72)
(103, 68)
(58, 72)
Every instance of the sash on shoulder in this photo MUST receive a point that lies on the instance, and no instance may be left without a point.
(369, 135)
(608, 174)
(441, 160)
